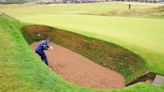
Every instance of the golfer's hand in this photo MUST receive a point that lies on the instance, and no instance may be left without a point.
(51, 47)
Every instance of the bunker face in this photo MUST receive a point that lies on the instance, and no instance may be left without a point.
(80, 70)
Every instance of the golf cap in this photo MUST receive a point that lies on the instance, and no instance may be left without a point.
(48, 39)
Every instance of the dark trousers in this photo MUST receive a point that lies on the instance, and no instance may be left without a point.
(42, 56)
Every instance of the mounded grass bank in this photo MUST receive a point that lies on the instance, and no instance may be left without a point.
(153, 12)
(104, 53)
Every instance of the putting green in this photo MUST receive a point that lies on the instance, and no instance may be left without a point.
(141, 35)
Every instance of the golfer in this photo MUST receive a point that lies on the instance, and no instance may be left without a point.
(130, 6)
(43, 45)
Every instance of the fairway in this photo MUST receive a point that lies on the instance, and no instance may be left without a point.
(143, 36)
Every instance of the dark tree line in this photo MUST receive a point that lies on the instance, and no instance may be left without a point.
(13, 1)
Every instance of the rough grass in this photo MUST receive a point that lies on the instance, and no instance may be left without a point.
(107, 9)
(21, 71)
(156, 12)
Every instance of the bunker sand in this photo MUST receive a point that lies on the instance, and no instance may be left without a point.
(80, 70)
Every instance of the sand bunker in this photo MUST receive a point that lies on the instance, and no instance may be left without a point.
(80, 70)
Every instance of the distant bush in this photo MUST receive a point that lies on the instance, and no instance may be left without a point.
(13, 1)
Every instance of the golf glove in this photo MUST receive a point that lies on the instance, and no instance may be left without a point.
(51, 47)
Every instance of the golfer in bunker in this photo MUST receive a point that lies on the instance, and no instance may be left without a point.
(43, 45)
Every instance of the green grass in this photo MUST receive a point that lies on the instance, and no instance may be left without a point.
(21, 71)
(142, 35)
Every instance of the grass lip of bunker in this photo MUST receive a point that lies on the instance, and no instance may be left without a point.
(129, 64)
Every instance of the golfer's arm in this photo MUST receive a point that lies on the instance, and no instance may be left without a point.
(46, 47)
